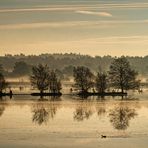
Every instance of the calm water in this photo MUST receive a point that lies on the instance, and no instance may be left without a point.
(26, 121)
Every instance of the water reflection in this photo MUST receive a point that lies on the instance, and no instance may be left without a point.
(119, 113)
(3, 105)
(42, 111)
(120, 116)
(101, 111)
(2, 109)
(40, 115)
(83, 111)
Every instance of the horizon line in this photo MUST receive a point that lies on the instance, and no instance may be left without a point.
(68, 53)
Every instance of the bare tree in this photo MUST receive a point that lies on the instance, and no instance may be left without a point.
(122, 76)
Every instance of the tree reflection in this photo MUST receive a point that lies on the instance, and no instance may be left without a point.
(101, 111)
(3, 105)
(42, 112)
(120, 117)
(101, 107)
(83, 111)
(2, 109)
(40, 115)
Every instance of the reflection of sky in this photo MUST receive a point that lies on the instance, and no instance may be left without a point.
(89, 27)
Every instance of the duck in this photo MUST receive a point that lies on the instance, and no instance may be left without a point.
(103, 136)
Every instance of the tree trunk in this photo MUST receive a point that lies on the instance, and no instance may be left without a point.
(122, 90)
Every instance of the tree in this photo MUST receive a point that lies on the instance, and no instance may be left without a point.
(122, 76)
(1, 68)
(83, 78)
(101, 82)
(40, 77)
(68, 70)
(54, 83)
(3, 83)
(21, 68)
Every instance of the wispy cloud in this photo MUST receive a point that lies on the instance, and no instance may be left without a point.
(117, 40)
(78, 7)
(104, 14)
(98, 24)
(36, 9)
(44, 25)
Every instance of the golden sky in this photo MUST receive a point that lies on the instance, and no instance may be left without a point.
(110, 27)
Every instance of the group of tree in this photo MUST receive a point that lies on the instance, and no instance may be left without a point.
(3, 83)
(65, 63)
(120, 76)
(44, 79)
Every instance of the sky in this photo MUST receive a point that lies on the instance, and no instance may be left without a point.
(93, 27)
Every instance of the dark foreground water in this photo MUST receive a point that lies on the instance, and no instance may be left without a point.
(68, 121)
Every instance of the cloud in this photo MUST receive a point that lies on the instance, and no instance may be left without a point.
(126, 5)
(79, 7)
(35, 9)
(117, 40)
(44, 25)
(104, 14)
(98, 24)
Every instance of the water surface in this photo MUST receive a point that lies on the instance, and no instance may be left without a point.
(68, 121)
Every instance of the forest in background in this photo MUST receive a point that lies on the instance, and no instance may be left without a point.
(21, 65)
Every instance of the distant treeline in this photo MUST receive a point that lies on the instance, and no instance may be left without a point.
(20, 65)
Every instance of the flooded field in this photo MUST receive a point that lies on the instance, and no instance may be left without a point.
(69, 121)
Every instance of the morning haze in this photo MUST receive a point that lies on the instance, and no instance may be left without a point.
(73, 73)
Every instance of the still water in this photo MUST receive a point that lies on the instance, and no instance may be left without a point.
(69, 121)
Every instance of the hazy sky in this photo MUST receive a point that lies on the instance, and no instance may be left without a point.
(94, 27)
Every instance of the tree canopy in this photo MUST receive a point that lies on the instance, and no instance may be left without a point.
(54, 83)
(3, 83)
(83, 78)
(40, 77)
(44, 79)
(122, 76)
(65, 62)
(21, 68)
(101, 82)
